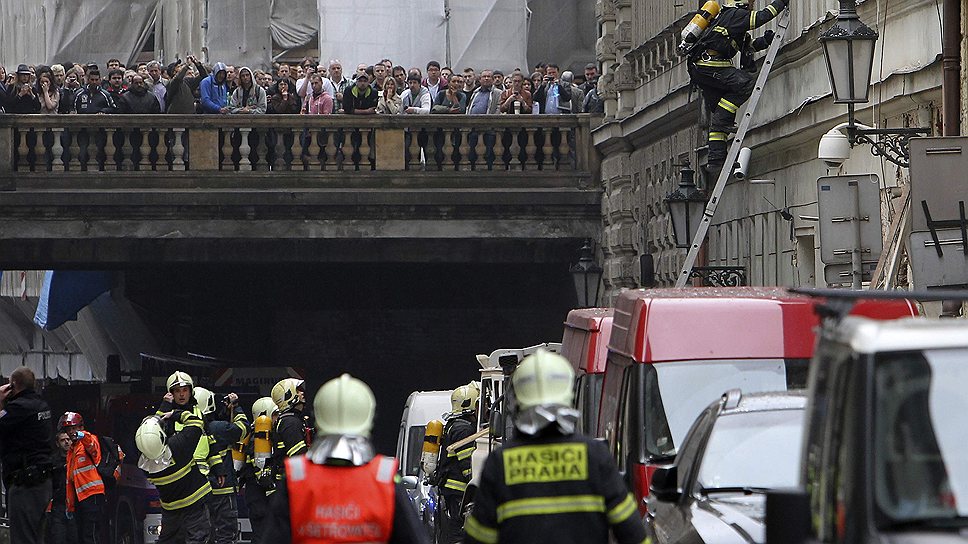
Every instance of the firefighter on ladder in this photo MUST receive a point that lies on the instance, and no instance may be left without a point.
(454, 468)
(549, 484)
(726, 88)
(340, 490)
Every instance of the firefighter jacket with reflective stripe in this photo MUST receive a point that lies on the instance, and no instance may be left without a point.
(728, 33)
(182, 484)
(203, 447)
(83, 480)
(555, 489)
(340, 503)
(454, 468)
(222, 436)
(290, 440)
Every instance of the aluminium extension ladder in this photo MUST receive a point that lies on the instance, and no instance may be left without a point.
(684, 275)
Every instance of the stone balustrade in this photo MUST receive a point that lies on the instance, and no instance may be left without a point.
(285, 144)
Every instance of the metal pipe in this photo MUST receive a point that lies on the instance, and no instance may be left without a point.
(848, 9)
(856, 256)
(951, 68)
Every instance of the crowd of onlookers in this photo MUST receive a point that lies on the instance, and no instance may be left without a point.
(313, 88)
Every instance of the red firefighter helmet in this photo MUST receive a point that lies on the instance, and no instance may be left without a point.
(69, 419)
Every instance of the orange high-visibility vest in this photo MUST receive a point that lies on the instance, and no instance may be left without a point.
(83, 481)
(335, 504)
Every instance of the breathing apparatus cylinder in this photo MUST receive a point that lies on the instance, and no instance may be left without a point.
(262, 448)
(238, 453)
(431, 446)
(698, 24)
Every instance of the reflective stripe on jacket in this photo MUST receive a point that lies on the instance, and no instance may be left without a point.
(330, 504)
(83, 480)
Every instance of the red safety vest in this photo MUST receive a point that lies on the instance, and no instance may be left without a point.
(332, 504)
(83, 480)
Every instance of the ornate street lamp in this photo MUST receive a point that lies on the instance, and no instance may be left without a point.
(686, 206)
(848, 48)
(587, 275)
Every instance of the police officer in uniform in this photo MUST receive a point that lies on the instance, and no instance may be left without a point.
(290, 432)
(550, 484)
(724, 87)
(223, 431)
(256, 477)
(340, 491)
(26, 446)
(454, 467)
(167, 444)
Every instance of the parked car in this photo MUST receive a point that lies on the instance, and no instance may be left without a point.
(884, 457)
(672, 351)
(585, 345)
(740, 447)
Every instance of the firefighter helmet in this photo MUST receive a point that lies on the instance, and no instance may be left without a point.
(264, 407)
(287, 393)
(151, 439)
(205, 400)
(179, 379)
(344, 406)
(543, 378)
(70, 419)
(464, 398)
(736, 3)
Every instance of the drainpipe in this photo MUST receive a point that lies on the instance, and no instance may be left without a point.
(951, 68)
(951, 94)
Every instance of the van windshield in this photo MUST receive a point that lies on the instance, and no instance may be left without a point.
(920, 459)
(680, 391)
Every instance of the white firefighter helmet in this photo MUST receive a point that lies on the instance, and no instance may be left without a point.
(736, 3)
(179, 379)
(464, 398)
(287, 393)
(543, 378)
(151, 439)
(264, 407)
(205, 400)
(344, 406)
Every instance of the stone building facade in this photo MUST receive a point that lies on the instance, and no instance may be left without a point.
(653, 125)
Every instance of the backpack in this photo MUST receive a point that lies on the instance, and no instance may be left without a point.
(110, 460)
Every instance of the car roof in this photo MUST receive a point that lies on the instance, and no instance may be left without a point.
(588, 319)
(766, 402)
(871, 336)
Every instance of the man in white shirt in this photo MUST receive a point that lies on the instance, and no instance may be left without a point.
(433, 82)
(416, 99)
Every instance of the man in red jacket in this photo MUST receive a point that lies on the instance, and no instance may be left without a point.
(85, 488)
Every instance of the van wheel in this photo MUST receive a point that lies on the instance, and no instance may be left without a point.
(127, 533)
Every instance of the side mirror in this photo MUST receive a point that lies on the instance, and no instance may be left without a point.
(496, 424)
(409, 483)
(787, 517)
(665, 484)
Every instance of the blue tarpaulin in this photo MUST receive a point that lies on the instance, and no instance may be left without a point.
(66, 292)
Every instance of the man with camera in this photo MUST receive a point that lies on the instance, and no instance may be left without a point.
(26, 439)
(516, 99)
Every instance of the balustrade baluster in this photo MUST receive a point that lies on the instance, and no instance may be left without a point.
(314, 149)
(23, 161)
(547, 150)
(323, 135)
(480, 161)
(279, 159)
(515, 150)
(57, 151)
(75, 149)
(365, 135)
(244, 163)
(564, 149)
(227, 148)
(40, 151)
(531, 149)
(262, 150)
(110, 161)
(127, 149)
(178, 149)
(464, 149)
(144, 151)
(413, 149)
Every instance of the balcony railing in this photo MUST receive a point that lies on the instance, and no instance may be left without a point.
(294, 143)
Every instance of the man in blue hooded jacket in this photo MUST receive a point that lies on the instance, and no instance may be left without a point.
(214, 90)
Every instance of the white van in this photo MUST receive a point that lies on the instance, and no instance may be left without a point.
(421, 408)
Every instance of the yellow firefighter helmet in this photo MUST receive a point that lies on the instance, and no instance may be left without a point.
(179, 379)
(287, 393)
(464, 398)
(150, 438)
(736, 3)
(264, 407)
(543, 378)
(344, 406)
(205, 400)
